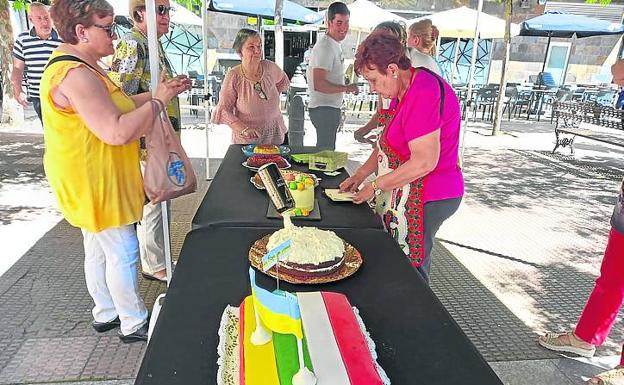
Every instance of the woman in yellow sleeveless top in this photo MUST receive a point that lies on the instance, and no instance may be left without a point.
(92, 158)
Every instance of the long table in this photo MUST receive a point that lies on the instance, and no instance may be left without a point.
(232, 200)
(418, 342)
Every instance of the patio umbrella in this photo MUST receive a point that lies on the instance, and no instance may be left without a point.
(558, 24)
(365, 16)
(265, 8)
(461, 22)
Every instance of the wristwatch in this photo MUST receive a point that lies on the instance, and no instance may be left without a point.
(375, 187)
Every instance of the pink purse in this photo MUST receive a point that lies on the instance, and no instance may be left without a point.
(168, 170)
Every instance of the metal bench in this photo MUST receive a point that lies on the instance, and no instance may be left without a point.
(587, 120)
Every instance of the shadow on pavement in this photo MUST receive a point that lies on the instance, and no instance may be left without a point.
(549, 224)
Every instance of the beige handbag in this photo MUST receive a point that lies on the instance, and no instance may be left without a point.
(168, 170)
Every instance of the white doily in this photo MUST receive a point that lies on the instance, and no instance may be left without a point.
(228, 349)
(371, 347)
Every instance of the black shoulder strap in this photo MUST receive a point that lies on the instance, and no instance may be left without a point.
(440, 84)
(69, 58)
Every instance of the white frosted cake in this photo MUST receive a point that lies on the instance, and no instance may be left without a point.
(314, 252)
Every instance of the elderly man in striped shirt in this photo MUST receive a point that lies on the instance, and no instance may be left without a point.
(31, 52)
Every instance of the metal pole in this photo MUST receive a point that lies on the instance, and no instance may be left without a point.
(207, 100)
(546, 54)
(152, 44)
(455, 54)
(473, 59)
(279, 34)
(438, 45)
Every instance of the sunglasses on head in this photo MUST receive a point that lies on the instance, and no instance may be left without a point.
(109, 29)
(260, 91)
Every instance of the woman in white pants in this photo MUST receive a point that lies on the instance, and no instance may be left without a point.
(92, 158)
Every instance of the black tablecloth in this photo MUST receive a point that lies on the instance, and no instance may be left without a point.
(232, 200)
(417, 340)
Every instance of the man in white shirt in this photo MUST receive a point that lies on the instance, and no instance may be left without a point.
(326, 78)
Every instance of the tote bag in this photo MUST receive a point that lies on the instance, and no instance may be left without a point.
(168, 171)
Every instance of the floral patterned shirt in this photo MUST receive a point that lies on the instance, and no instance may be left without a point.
(130, 69)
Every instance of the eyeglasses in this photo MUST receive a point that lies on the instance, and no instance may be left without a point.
(260, 91)
(163, 10)
(109, 29)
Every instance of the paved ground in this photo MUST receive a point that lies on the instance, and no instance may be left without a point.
(518, 258)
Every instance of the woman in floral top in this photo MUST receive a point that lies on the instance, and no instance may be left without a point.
(130, 70)
(130, 67)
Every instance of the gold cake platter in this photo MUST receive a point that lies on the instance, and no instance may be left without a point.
(352, 262)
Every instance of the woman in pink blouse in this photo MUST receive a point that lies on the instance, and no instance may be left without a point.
(419, 183)
(249, 101)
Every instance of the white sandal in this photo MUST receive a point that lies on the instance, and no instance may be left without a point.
(553, 341)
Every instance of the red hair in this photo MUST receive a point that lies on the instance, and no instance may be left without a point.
(379, 50)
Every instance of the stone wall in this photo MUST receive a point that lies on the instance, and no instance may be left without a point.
(590, 58)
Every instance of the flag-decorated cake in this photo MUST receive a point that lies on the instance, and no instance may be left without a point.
(279, 338)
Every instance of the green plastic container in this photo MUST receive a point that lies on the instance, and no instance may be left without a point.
(300, 158)
(327, 160)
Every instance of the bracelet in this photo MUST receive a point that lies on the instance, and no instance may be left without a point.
(244, 131)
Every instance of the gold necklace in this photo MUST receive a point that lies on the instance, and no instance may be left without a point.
(257, 78)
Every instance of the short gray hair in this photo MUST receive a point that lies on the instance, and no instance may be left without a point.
(241, 38)
(37, 4)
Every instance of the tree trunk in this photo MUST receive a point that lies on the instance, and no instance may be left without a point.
(12, 112)
(498, 117)
(279, 33)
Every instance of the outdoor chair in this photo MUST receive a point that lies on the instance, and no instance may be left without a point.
(511, 94)
(521, 102)
(461, 93)
(546, 79)
(485, 100)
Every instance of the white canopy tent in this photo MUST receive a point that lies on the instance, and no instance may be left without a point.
(461, 23)
(365, 16)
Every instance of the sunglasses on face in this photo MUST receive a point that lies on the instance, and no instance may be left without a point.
(260, 91)
(163, 10)
(109, 29)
